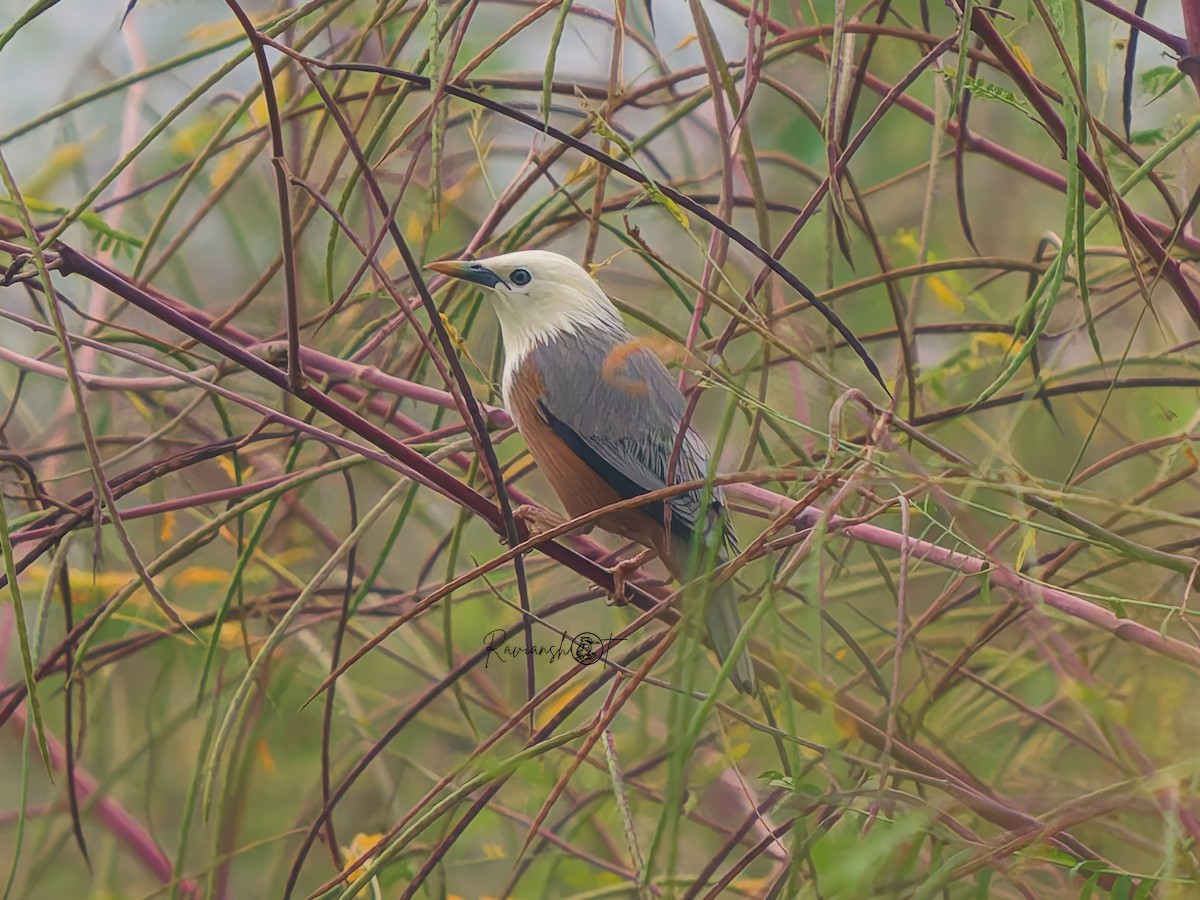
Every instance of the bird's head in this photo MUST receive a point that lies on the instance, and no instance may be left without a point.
(537, 295)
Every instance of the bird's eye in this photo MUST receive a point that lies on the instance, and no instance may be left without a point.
(520, 277)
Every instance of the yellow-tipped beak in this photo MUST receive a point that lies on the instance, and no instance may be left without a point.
(466, 270)
(452, 267)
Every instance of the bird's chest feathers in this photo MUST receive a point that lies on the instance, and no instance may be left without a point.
(524, 391)
(509, 377)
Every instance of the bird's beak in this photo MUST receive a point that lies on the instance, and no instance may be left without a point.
(467, 271)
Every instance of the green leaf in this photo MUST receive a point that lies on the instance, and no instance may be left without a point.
(1149, 137)
(552, 57)
(775, 778)
(27, 660)
(982, 882)
(849, 861)
(104, 234)
(1160, 79)
(964, 46)
(986, 90)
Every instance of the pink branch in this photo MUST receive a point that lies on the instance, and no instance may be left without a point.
(1189, 64)
(377, 378)
(192, 501)
(1171, 41)
(1064, 602)
(124, 827)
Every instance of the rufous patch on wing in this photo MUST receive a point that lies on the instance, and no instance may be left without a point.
(612, 369)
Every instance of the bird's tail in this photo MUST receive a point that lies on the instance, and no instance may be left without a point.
(723, 624)
(721, 620)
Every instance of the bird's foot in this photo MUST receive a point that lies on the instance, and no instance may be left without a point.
(621, 572)
(538, 519)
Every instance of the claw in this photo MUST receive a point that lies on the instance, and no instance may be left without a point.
(537, 519)
(621, 572)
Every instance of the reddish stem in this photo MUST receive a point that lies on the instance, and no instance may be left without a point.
(1189, 62)
(124, 827)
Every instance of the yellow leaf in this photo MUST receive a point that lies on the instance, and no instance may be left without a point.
(97, 586)
(452, 333)
(188, 140)
(138, 404)
(258, 111)
(945, 295)
(752, 887)
(1004, 342)
(84, 587)
(581, 170)
(818, 690)
(454, 191)
(226, 464)
(283, 87)
(221, 30)
(168, 526)
(61, 160)
(293, 555)
(225, 168)
(736, 753)
(265, 759)
(1027, 544)
(552, 709)
(906, 238)
(687, 41)
(845, 724)
(1024, 60)
(200, 575)
(493, 851)
(518, 468)
(362, 844)
(414, 227)
(232, 636)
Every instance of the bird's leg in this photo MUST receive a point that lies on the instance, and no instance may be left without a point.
(540, 520)
(537, 519)
(622, 570)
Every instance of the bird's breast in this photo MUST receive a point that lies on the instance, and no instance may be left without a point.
(511, 365)
(522, 388)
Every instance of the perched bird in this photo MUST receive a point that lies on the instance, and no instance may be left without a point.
(600, 415)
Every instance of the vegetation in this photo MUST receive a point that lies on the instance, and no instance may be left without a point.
(928, 273)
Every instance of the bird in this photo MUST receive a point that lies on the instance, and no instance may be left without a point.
(601, 415)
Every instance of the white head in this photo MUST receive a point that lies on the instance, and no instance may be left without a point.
(537, 296)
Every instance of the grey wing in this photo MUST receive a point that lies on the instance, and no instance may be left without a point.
(616, 406)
